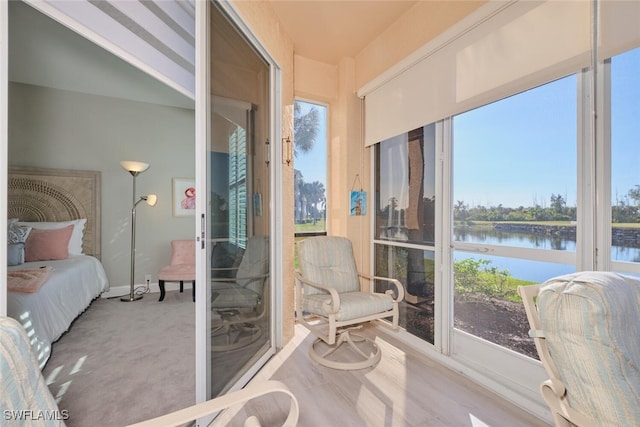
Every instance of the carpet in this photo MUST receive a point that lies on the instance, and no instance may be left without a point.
(124, 362)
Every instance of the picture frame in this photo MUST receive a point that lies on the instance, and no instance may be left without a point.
(184, 196)
(358, 203)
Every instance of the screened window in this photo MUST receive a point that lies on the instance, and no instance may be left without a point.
(625, 156)
(405, 224)
(515, 206)
(310, 172)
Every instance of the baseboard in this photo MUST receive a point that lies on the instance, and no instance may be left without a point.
(117, 291)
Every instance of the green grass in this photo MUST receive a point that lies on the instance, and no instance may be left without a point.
(310, 227)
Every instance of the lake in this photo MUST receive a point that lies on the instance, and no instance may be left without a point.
(525, 269)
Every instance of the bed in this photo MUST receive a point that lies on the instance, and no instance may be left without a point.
(54, 270)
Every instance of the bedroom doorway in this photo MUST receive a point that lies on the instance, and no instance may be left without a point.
(234, 316)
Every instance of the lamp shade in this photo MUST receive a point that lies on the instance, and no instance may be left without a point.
(133, 166)
(152, 199)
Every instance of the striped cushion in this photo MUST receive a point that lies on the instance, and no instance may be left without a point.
(353, 305)
(328, 260)
(591, 321)
(22, 386)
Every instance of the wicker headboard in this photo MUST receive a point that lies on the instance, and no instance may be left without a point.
(39, 194)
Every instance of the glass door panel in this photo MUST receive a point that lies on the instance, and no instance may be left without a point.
(238, 198)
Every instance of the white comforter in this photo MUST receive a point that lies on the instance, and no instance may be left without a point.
(48, 313)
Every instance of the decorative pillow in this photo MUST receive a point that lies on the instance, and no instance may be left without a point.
(15, 254)
(17, 234)
(75, 243)
(46, 245)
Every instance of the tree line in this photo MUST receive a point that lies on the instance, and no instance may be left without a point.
(625, 210)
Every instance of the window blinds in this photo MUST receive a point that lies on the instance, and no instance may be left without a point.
(508, 48)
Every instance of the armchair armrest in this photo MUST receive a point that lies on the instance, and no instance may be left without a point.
(223, 402)
(335, 297)
(396, 283)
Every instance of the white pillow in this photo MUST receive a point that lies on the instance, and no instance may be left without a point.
(75, 242)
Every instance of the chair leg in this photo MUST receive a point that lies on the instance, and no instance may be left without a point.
(161, 284)
(193, 290)
(181, 285)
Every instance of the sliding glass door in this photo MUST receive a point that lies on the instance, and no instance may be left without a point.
(234, 315)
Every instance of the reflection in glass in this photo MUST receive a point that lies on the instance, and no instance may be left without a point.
(414, 268)
(405, 187)
(238, 200)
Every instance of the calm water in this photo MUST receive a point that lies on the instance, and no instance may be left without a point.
(531, 270)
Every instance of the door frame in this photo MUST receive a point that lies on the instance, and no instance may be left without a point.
(202, 123)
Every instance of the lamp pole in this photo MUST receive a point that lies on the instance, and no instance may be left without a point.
(132, 296)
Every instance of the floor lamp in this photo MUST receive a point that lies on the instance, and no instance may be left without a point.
(135, 169)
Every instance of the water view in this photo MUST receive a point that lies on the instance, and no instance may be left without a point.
(527, 269)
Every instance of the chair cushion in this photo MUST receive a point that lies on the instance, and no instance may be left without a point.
(591, 323)
(183, 252)
(353, 305)
(254, 264)
(184, 272)
(234, 297)
(225, 258)
(328, 260)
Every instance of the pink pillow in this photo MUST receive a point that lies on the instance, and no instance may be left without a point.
(47, 245)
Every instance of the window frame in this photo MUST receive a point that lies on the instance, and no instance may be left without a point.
(327, 213)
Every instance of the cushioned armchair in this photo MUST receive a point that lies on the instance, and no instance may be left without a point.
(181, 268)
(329, 302)
(586, 327)
(238, 297)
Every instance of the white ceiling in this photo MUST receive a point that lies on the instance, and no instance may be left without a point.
(43, 52)
(329, 30)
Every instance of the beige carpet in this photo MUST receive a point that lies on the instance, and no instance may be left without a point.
(117, 363)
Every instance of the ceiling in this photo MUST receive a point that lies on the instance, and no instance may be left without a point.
(329, 30)
(45, 53)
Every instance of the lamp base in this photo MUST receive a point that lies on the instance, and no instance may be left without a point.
(130, 299)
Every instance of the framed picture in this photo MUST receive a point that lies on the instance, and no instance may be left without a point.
(358, 203)
(184, 196)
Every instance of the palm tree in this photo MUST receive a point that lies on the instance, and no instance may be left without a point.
(305, 128)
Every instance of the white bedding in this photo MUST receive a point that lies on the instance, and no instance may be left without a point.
(48, 313)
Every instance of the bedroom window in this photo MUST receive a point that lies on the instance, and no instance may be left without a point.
(514, 206)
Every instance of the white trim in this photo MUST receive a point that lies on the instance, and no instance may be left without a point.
(443, 331)
(202, 132)
(4, 144)
(603, 165)
(99, 40)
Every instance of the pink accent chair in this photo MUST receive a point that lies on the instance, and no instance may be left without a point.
(182, 267)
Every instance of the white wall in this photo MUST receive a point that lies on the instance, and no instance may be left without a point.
(62, 129)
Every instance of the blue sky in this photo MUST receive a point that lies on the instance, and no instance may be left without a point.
(313, 164)
(539, 128)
